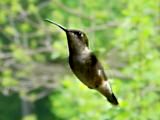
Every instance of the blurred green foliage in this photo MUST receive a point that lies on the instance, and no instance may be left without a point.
(125, 36)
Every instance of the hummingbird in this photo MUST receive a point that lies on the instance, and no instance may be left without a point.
(85, 65)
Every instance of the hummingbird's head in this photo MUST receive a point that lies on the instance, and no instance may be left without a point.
(77, 40)
(78, 37)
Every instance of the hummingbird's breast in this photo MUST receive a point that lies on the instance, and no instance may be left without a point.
(82, 67)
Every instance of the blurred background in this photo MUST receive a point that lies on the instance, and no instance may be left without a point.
(36, 82)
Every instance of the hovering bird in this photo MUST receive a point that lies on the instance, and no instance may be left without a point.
(85, 64)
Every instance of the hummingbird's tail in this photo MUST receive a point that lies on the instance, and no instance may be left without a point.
(112, 99)
(106, 90)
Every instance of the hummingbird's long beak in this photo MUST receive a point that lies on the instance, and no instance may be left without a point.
(60, 26)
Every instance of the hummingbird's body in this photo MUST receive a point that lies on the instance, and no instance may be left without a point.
(83, 68)
(85, 64)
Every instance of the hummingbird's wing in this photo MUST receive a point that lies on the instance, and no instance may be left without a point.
(96, 65)
(100, 80)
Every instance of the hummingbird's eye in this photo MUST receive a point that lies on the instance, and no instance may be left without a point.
(79, 34)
